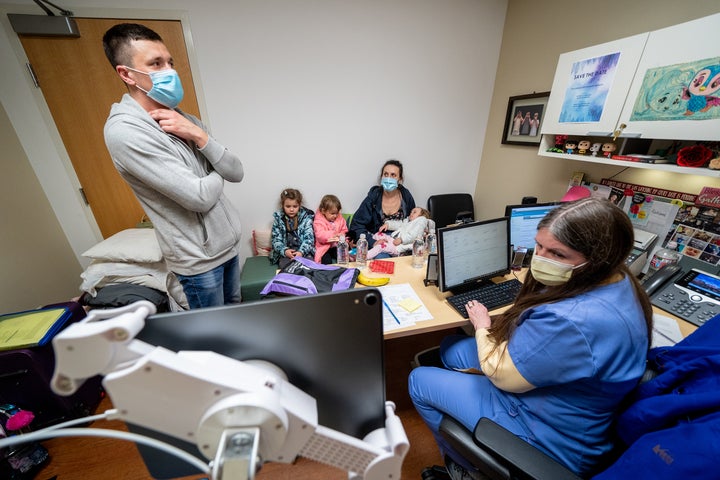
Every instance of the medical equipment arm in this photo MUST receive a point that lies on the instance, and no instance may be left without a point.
(240, 414)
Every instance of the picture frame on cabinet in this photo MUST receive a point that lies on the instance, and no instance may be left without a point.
(523, 119)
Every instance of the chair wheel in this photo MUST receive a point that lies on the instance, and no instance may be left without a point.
(436, 472)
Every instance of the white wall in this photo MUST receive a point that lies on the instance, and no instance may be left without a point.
(312, 94)
(29, 236)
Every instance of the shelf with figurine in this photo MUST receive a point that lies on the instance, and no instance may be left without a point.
(688, 157)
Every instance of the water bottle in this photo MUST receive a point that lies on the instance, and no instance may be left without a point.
(343, 251)
(431, 243)
(418, 253)
(361, 251)
(664, 256)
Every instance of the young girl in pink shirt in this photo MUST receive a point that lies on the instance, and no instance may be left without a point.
(328, 226)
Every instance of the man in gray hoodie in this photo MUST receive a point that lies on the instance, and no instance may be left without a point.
(176, 170)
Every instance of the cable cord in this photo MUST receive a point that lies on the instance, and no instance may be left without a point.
(106, 415)
(53, 432)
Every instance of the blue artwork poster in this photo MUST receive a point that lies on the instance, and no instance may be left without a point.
(687, 91)
(587, 90)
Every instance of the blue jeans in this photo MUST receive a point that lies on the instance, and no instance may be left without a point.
(219, 286)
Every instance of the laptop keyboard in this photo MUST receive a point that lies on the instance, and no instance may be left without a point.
(493, 296)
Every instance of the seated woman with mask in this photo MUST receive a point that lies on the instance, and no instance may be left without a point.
(388, 201)
(553, 368)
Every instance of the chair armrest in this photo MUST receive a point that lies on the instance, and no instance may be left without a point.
(522, 459)
(461, 441)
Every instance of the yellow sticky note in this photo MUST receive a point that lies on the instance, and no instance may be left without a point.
(409, 304)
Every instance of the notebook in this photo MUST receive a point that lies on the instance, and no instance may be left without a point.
(32, 327)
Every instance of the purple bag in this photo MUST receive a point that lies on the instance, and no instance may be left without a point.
(305, 277)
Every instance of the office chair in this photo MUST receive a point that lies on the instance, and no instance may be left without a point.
(449, 208)
(499, 454)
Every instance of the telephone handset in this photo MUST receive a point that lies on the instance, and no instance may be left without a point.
(665, 275)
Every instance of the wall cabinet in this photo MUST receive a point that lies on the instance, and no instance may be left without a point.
(636, 87)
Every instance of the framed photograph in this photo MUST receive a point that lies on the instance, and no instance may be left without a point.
(523, 119)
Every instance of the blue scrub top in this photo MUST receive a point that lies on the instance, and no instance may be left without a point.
(578, 394)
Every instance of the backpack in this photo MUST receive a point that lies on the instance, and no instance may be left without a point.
(303, 276)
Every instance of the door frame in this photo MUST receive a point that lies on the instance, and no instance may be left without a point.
(33, 123)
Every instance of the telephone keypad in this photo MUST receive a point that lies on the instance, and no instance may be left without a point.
(677, 302)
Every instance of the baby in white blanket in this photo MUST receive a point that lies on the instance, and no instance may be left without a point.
(404, 233)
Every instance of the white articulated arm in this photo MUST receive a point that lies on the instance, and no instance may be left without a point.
(92, 347)
(240, 414)
(378, 456)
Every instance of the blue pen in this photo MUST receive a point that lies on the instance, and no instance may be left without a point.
(391, 312)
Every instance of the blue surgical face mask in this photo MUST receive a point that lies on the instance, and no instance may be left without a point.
(167, 89)
(389, 184)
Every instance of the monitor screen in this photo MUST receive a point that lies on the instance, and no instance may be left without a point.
(329, 345)
(473, 252)
(706, 284)
(524, 220)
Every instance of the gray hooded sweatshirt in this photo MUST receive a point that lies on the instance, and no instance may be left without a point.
(179, 186)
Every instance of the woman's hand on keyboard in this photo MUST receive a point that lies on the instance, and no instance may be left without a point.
(478, 314)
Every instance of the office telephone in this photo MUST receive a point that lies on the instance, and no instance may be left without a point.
(692, 295)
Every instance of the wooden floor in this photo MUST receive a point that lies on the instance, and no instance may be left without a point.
(103, 458)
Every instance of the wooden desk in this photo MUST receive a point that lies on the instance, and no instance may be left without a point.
(444, 315)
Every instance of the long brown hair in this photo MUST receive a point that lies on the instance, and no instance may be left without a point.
(291, 194)
(600, 231)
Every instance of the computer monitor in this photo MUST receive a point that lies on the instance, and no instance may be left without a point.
(524, 220)
(329, 345)
(472, 253)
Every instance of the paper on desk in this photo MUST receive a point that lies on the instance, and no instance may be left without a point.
(403, 307)
(666, 332)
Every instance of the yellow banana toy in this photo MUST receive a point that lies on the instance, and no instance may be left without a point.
(372, 281)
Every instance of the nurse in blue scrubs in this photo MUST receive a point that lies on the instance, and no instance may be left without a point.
(554, 367)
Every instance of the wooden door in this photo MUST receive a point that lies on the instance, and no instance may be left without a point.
(79, 86)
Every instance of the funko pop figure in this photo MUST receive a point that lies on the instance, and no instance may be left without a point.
(583, 146)
(570, 146)
(595, 148)
(608, 149)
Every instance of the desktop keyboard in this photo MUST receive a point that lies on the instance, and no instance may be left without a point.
(494, 295)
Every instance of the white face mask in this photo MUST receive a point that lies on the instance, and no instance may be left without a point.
(551, 272)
